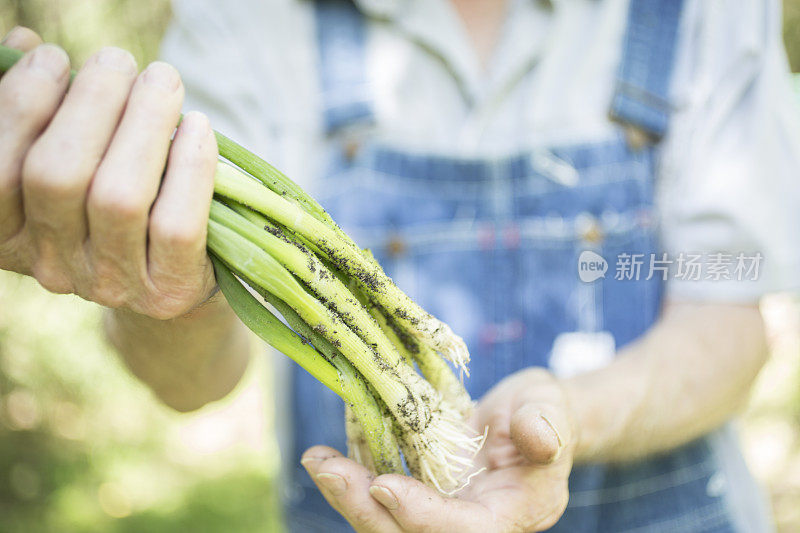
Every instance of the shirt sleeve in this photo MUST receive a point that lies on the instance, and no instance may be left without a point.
(729, 184)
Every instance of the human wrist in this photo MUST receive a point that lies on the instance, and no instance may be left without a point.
(187, 361)
(608, 404)
(122, 320)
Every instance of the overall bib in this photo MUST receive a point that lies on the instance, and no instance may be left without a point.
(491, 247)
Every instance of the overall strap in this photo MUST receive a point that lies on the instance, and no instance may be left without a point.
(642, 94)
(341, 42)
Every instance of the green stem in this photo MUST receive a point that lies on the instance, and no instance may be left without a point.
(270, 176)
(435, 369)
(307, 267)
(266, 272)
(334, 371)
(376, 428)
(346, 256)
(402, 390)
(256, 317)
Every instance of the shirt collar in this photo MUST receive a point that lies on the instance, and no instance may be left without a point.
(434, 24)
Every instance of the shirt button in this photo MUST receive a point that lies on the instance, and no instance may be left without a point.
(350, 149)
(637, 138)
(589, 228)
(396, 246)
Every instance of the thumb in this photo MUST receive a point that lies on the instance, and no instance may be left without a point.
(540, 431)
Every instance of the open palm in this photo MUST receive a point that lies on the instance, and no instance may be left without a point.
(525, 464)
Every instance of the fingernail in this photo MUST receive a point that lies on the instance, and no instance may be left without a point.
(196, 123)
(162, 75)
(556, 434)
(384, 496)
(333, 482)
(308, 461)
(51, 60)
(116, 59)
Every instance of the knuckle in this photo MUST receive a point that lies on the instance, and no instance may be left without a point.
(20, 104)
(107, 78)
(15, 252)
(364, 517)
(109, 295)
(119, 205)
(177, 234)
(52, 278)
(198, 155)
(97, 88)
(107, 289)
(42, 175)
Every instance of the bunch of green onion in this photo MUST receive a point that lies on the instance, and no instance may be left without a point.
(348, 324)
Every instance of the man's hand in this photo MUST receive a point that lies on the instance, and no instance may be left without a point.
(527, 459)
(83, 205)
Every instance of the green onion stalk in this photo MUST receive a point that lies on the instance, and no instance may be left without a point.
(345, 322)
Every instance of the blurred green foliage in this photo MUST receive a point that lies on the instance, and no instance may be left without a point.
(791, 32)
(83, 26)
(84, 447)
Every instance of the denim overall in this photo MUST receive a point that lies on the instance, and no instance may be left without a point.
(491, 247)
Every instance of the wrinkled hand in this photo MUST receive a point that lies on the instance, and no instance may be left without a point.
(83, 205)
(527, 459)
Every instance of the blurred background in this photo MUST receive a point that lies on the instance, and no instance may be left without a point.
(84, 447)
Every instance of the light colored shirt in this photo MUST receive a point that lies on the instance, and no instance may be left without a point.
(729, 169)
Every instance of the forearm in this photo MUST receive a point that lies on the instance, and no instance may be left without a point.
(684, 378)
(187, 361)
